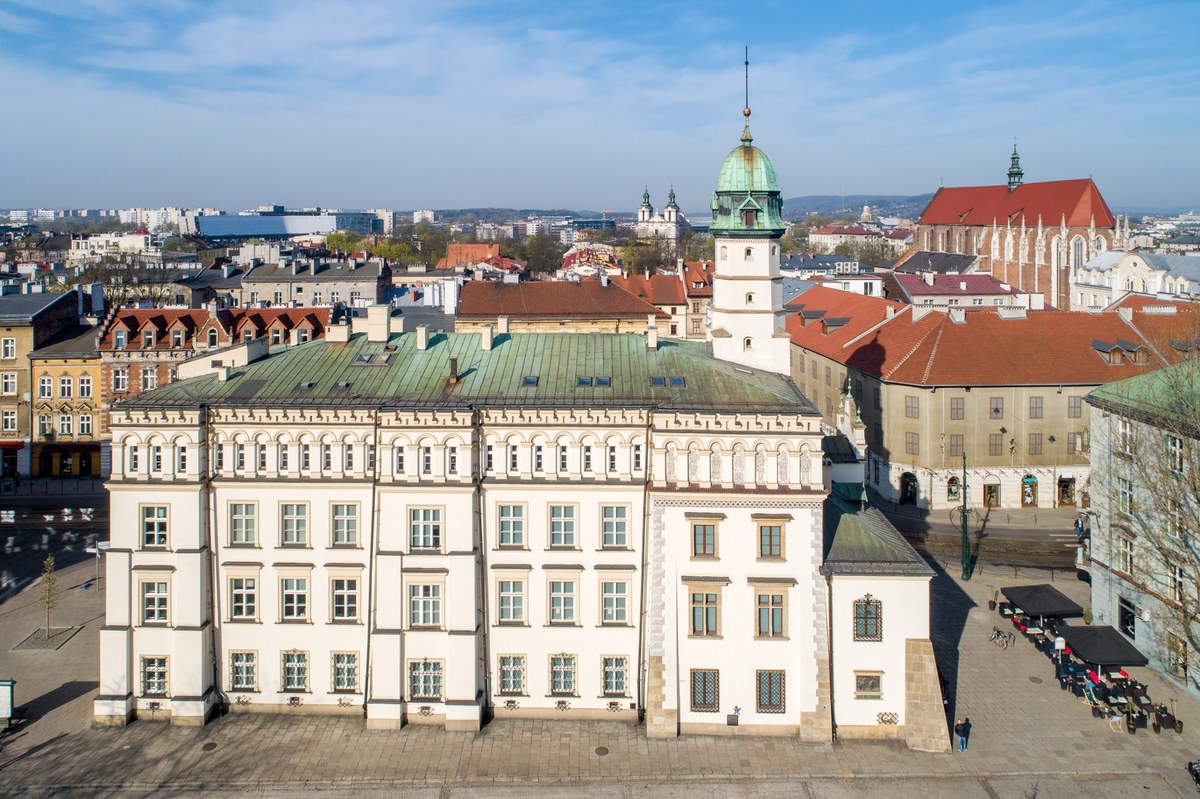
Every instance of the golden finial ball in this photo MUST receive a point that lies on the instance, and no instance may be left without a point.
(746, 111)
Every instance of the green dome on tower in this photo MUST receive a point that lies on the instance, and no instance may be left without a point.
(747, 200)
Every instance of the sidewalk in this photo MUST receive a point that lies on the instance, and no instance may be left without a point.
(51, 486)
(1028, 734)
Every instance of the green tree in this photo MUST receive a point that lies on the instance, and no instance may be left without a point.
(544, 254)
(48, 589)
(343, 241)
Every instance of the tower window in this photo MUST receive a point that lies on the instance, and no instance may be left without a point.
(750, 298)
(749, 217)
(749, 253)
(747, 343)
(724, 252)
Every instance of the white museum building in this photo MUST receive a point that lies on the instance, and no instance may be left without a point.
(420, 527)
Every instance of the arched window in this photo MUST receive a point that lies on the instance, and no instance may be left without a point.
(774, 250)
(1077, 252)
(952, 493)
(750, 298)
(747, 344)
(868, 619)
(749, 253)
(724, 252)
(212, 338)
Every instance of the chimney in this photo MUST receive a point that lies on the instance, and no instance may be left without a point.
(891, 311)
(962, 285)
(422, 337)
(223, 374)
(1126, 313)
(397, 326)
(377, 324)
(337, 334)
(485, 336)
(502, 325)
(958, 315)
(295, 267)
(651, 319)
(604, 279)
(927, 277)
(453, 371)
(652, 339)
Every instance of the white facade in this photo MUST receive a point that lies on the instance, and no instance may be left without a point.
(747, 318)
(1112, 275)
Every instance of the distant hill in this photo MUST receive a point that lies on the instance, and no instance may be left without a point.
(508, 214)
(838, 205)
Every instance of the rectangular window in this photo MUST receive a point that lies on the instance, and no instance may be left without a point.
(704, 540)
(562, 525)
(425, 680)
(8, 383)
(512, 601)
(1127, 617)
(612, 459)
(1035, 407)
(345, 671)
(828, 376)
(912, 443)
(637, 457)
(243, 671)
(305, 457)
(1125, 437)
(149, 378)
(425, 528)
(587, 457)
(912, 407)
(512, 526)
(538, 464)
(294, 591)
(996, 408)
(1174, 514)
(562, 601)
(154, 603)
(770, 616)
(1125, 495)
(706, 691)
(282, 457)
(399, 460)
(770, 541)
(65, 424)
(512, 457)
(154, 525)
(65, 386)
(616, 676)
(326, 457)
(1074, 407)
(120, 380)
(1177, 582)
(562, 457)
(995, 444)
(371, 458)
(705, 613)
(956, 408)
(1125, 555)
(133, 450)
(347, 457)
(243, 523)
(8, 348)
(260, 457)
(345, 599)
(345, 524)
(1175, 457)
(562, 675)
(1035, 443)
(426, 460)
(156, 458)
(295, 671)
(868, 619)
(614, 526)
(154, 676)
(425, 605)
(868, 685)
(44, 429)
(451, 460)
(8, 421)
(769, 692)
(45, 388)
(877, 398)
(239, 457)
(85, 424)
(294, 524)
(614, 602)
(512, 675)
(243, 598)
(489, 458)
(85, 387)
(956, 445)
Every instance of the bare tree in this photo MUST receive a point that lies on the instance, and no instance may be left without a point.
(127, 281)
(47, 590)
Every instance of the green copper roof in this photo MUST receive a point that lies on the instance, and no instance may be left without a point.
(861, 541)
(1167, 397)
(747, 200)
(522, 370)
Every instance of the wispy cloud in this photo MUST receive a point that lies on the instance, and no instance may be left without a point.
(468, 103)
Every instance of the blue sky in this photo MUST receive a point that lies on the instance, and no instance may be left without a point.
(446, 104)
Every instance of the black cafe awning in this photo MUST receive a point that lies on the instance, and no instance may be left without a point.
(1041, 600)
(1102, 646)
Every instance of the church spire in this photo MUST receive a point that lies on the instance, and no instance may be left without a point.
(1015, 173)
(746, 137)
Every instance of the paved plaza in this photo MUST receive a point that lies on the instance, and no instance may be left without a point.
(1030, 738)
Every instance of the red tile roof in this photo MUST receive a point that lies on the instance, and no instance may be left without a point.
(656, 289)
(229, 321)
(1077, 200)
(555, 299)
(466, 254)
(920, 347)
(697, 278)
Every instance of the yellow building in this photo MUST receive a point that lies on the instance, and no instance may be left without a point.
(27, 321)
(66, 404)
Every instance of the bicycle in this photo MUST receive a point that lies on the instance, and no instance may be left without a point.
(1002, 639)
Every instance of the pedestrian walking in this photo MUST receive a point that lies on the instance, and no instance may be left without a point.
(1078, 528)
(960, 732)
(966, 736)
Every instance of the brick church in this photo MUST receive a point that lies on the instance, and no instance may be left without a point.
(1029, 235)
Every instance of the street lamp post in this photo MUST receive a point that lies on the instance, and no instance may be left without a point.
(100, 548)
(966, 542)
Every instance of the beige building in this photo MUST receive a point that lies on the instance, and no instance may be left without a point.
(67, 411)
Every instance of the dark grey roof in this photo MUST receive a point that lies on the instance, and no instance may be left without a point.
(940, 262)
(213, 277)
(75, 341)
(20, 309)
(838, 449)
(861, 541)
(324, 270)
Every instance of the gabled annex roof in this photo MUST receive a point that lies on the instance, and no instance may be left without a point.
(656, 289)
(1079, 201)
(551, 299)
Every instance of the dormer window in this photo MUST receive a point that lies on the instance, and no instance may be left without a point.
(148, 338)
(749, 217)
(212, 338)
(119, 339)
(176, 338)
(247, 335)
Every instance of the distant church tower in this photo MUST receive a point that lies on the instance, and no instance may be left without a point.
(1015, 174)
(747, 304)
